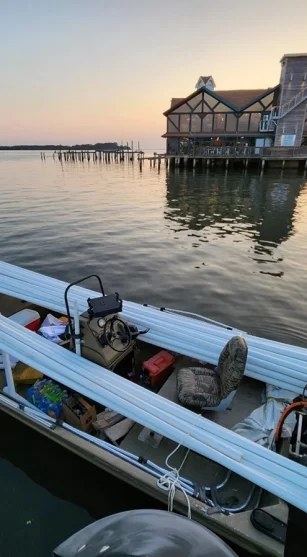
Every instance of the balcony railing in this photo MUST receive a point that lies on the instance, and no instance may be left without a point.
(242, 152)
(267, 125)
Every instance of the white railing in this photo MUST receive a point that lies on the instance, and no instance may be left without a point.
(267, 125)
(293, 102)
(276, 113)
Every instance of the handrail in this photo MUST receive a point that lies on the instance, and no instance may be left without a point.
(295, 100)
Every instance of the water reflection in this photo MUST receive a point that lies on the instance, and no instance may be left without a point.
(247, 207)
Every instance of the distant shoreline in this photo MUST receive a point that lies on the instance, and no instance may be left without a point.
(82, 147)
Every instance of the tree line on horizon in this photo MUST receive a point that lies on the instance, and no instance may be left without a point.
(83, 146)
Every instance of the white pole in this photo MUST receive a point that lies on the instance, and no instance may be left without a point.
(8, 374)
(77, 328)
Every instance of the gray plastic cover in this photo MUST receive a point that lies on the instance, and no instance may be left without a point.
(144, 533)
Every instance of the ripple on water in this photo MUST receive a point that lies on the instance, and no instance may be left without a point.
(233, 249)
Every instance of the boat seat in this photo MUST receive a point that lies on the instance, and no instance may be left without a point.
(200, 387)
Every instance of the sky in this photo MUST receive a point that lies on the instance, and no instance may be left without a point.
(105, 70)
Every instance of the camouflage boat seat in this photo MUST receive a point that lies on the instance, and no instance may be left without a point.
(200, 387)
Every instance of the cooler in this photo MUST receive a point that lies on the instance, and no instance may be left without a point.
(28, 318)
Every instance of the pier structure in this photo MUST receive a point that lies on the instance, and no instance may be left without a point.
(254, 157)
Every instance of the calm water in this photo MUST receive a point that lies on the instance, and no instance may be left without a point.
(233, 247)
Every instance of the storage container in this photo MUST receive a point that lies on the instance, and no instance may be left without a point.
(28, 318)
(158, 368)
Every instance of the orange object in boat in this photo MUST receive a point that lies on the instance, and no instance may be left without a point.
(158, 368)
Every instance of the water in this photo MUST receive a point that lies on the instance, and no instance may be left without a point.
(232, 247)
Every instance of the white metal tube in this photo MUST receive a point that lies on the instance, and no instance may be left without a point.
(8, 373)
(197, 323)
(31, 276)
(252, 445)
(167, 343)
(77, 328)
(119, 385)
(299, 433)
(282, 489)
(98, 374)
(138, 406)
(208, 355)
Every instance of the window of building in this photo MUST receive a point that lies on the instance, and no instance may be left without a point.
(254, 121)
(183, 108)
(195, 123)
(243, 123)
(211, 101)
(219, 122)
(185, 123)
(268, 100)
(207, 123)
(231, 123)
(220, 107)
(254, 107)
(173, 123)
(196, 101)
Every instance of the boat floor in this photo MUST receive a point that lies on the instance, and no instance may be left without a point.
(150, 445)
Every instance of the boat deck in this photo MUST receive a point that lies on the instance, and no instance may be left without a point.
(150, 445)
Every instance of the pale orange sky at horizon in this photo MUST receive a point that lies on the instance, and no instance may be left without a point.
(106, 71)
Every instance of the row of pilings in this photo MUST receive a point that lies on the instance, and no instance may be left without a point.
(120, 155)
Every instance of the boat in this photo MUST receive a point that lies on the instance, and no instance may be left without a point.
(137, 364)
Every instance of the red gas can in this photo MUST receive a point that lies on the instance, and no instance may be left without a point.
(158, 368)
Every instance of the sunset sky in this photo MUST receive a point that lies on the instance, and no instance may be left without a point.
(77, 71)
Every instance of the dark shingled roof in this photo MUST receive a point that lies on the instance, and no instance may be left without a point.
(237, 97)
(241, 97)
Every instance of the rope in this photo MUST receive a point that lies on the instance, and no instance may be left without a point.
(171, 481)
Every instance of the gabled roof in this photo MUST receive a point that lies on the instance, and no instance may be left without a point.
(237, 99)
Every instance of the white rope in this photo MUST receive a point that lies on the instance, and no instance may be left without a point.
(171, 480)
